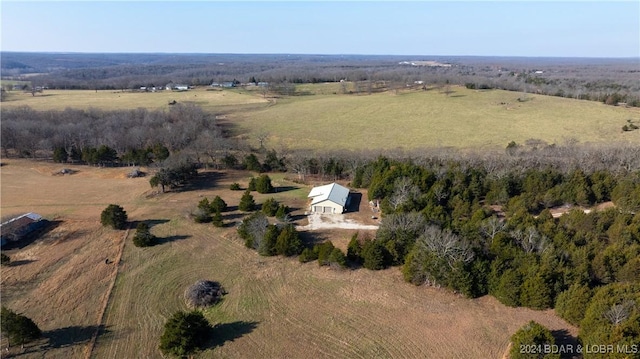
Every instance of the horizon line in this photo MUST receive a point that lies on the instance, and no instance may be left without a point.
(305, 54)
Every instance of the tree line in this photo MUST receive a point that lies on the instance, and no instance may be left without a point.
(604, 80)
(477, 233)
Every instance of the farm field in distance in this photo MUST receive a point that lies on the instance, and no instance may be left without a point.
(409, 119)
(479, 119)
(275, 305)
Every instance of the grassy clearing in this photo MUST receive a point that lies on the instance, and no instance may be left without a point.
(276, 307)
(480, 119)
(211, 100)
(465, 119)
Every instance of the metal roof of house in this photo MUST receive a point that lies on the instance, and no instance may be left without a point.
(17, 223)
(332, 192)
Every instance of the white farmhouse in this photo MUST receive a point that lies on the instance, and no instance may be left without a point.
(329, 199)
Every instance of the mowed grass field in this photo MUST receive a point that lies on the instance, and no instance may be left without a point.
(275, 307)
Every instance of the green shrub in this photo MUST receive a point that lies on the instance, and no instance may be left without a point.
(373, 254)
(235, 186)
(354, 251)
(282, 211)
(217, 220)
(184, 333)
(308, 255)
(247, 204)
(270, 207)
(263, 184)
(5, 260)
(143, 237)
(532, 341)
(114, 216)
(572, 303)
(324, 251)
(289, 242)
(218, 205)
(252, 184)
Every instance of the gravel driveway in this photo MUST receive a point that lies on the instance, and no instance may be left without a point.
(328, 221)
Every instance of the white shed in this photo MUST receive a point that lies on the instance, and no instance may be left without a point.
(329, 199)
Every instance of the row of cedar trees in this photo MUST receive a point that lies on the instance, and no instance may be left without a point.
(105, 155)
(440, 229)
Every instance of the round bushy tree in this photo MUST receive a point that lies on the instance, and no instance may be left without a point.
(270, 207)
(143, 237)
(263, 184)
(18, 328)
(184, 333)
(572, 303)
(218, 204)
(532, 335)
(114, 216)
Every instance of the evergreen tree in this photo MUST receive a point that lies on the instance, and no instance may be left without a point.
(354, 250)
(18, 328)
(373, 254)
(216, 219)
(247, 204)
(60, 154)
(289, 242)
(184, 333)
(308, 255)
(114, 216)
(5, 259)
(263, 184)
(572, 303)
(268, 244)
(282, 211)
(143, 237)
(532, 335)
(218, 204)
(270, 207)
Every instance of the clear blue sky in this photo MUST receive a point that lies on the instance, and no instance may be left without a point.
(498, 28)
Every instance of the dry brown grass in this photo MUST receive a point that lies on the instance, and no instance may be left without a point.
(276, 307)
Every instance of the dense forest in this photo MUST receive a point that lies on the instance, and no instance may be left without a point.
(612, 81)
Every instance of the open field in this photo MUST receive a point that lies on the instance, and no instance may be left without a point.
(408, 119)
(210, 100)
(465, 119)
(276, 307)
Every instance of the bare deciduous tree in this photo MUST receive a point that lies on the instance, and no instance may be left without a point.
(618, 313)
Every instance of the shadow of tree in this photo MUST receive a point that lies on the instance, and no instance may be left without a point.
(163, 240)
(284, 189)
(73, 335)
(565, 339)
(149, 222)
(21, 262)
(309, 239)
(228, 332)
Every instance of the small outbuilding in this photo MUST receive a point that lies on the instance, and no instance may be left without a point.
(19, 227)
(329, 199)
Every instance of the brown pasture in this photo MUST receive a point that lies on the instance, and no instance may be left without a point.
(275, 307)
